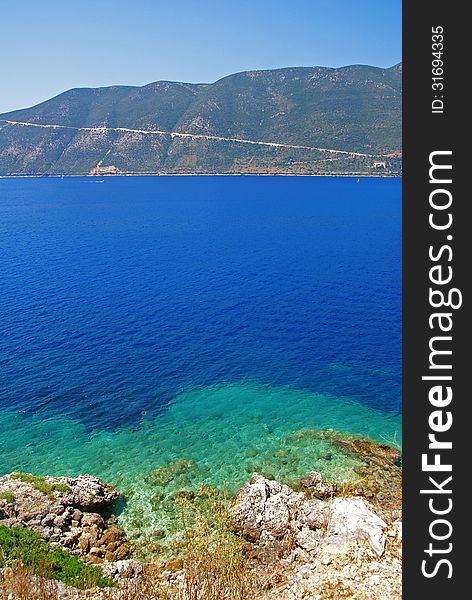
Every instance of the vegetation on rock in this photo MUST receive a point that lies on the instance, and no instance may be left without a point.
(315, 536)
(214, 557)
(41, 484)
(7, 496)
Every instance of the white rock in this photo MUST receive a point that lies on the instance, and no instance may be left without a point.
(276, 515)
(307, 539)
(398, 528)
(352, 519)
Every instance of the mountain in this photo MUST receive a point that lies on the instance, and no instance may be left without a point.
(291, 120)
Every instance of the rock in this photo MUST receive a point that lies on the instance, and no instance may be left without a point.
(270, 548)
(123, 551)
(11, 522)
(313, 513)
(92, 519)
(62, 511)
(304, 571)
(123, 569)
(183, 495)
(398, 528)
(57, 510)
(307, 539)
(95, 533)
(113, 546)
(96, 560)
(247, 509)
(85, 542)
(352, 520)
(89, 494)
(314, 486)
(276, 516)
(381, 475)
(76, 515)
(60, 521)
(48, 520)
(164, 475)
(112, 534)
(110, 556)
(278, 519)
(68, 540)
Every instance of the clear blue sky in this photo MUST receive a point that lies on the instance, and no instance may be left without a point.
(48, 46)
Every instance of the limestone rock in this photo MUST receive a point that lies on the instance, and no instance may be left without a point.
(314, 486)
(278, 519)
(274, 515)
(62, 511)
(89, 494)
(308, 539)
(123, 569)
(397, 525)
(352, 519)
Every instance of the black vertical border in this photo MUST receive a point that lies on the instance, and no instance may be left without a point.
(423, 133)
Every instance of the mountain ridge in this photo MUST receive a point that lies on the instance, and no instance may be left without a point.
(208, 127)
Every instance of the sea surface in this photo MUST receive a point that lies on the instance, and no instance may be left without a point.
(168, 333)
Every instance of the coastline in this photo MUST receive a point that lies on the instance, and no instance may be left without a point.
(283, 541)
(63, 176)
(174, 475)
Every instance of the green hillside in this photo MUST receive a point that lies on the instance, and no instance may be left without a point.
(350, 109)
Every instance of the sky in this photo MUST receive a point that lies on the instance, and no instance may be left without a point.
(49, 46)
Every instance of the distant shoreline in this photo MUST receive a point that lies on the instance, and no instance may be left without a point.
(61, 176)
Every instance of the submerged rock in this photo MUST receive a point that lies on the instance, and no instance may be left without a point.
(164, 475)
(381, 475)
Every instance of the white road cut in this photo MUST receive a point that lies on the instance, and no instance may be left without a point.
(197, 136)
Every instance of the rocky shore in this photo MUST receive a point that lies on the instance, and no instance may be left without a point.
(316, 539)
(67, 511)
(334, 547)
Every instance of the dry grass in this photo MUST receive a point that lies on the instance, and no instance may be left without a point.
(335, 590)
(18, 583)
(212, 566)
(273, 576)
(214, 562)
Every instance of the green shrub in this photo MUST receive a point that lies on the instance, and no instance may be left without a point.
(7, 496)
(40, 484)
(36, 554)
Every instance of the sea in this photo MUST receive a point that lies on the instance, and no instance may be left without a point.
(170, 334)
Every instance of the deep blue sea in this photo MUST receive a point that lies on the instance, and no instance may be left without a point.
(146, 320)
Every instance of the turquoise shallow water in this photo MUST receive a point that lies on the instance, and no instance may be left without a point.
(216, 436)
(203, 327)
